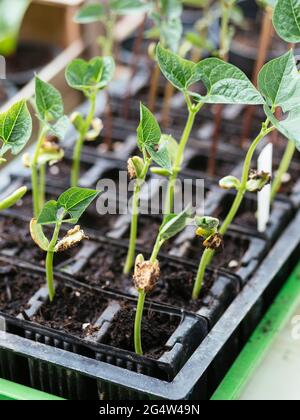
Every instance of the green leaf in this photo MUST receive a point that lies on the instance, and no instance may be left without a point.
(174, 224)
(172, 146)
(60, 128)
(161, 157)
(148, 131)
(15, 128)
(93, 12)
(279, 82)
(125, 7)
(179, 72)
(171, 34)
(48, 100)
(12, 13)
(225, 84)
(288, 127)
(49, 214)
(75, 201)
(90, 76)
(286, 20)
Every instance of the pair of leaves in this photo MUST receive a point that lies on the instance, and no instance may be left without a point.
(72, 202)
(90, 76)
(224, 82)
(50, 108)
(95, 12)
(15, 128)
(161, 148)
(174, 224)
(286, 20)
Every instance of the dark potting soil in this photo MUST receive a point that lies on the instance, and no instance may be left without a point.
(16, 288)
(16, 241)
(61, 171)
(157, 328)
(229, 257)
(71, 311)
(105, 269)
(148, 227)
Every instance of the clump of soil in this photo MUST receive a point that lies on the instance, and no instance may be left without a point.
(157, 328)
(17, 286)
(70, 310)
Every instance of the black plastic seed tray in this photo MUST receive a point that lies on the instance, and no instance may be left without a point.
(179, 347)
(204, 370)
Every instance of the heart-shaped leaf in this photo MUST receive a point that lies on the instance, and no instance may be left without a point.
(15, 128)
(174, 224)
(279, 82)
(72, 202)
(178, 71)
(288, 127)
(148, 131)
(286, 20)
(225, 84)
(90, 76)
(48, 100)
(93, 12)
(75, 201)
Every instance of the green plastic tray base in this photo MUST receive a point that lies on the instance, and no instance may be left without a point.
(267, 367)
(13, 391)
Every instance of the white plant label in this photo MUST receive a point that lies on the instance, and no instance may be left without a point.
(265, 161)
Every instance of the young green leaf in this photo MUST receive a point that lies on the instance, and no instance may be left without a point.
(161, 157)
(75, 201)
(279, 82)
(288, 127)
(90, 76)
(174, 224)
(148, 131)
(225, 84)
(48, 100)
(180, 72)
(93, 12)
(72, 202)
(49, 214)
(15, 128)
(286, 20)
(60, 128)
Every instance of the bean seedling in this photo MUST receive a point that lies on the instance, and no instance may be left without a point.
(155, 148)
(147, 273)
(280, 92)
(68, 208)
(53, 126)
(225, 84)
(89, 77)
